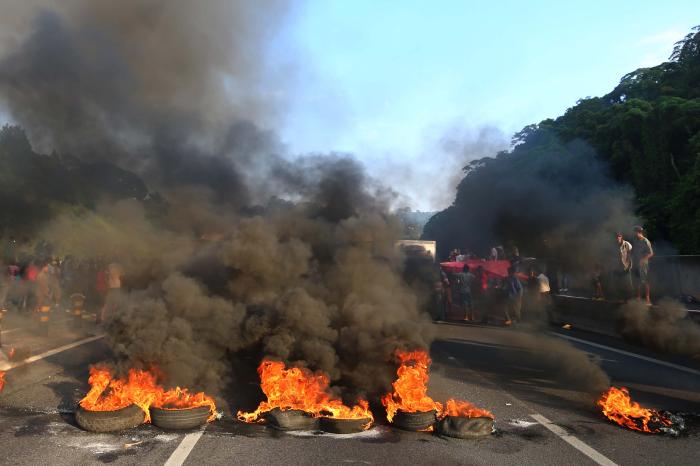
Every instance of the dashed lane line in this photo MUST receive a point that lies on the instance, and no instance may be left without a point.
(549, 425)
(6, 366)
(15, 329)
(596, 456)
(178, 457)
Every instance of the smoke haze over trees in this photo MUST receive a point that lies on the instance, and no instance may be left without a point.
(156, 118)
(567, 177)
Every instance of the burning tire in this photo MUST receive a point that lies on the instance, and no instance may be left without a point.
(465, 427)
(343, 426)
(291, 419)
(188, 418)
(420, 420)
(109, 421)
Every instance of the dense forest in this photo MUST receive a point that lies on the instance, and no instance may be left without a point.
(35, 187)
(631, 155)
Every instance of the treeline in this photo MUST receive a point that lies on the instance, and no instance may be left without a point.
(645, 134)
(35, 187)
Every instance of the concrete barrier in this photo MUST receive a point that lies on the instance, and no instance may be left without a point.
(602, 317)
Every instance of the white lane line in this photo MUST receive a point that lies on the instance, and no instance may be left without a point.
(573, 441)
(627, 353)
(9, 366)
(184, 449)
(10, 330)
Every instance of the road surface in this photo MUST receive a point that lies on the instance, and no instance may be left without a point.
(543, 416)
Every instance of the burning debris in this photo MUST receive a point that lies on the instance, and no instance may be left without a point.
(307, 393)
(619, 408)
(140, 388)
(2, 380)
(410, 393)
(410, 407)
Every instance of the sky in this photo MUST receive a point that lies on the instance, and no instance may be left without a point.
(416, 89)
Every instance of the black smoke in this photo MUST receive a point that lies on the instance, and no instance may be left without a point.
(549, 198)
(235, 248)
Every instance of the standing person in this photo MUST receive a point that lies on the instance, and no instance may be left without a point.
(446, 295)
(464, 281)
(42, 288)
(532, 291)
(514, 290)
(597, 281)
(453, 256)
(543, 287)
(31, 272)
(478, 291)
(114, 287)
(54, 269)
(515, 258)
(642, 252)
(625, 273)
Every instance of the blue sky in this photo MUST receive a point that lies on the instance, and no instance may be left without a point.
(415, 89)
(392, 81)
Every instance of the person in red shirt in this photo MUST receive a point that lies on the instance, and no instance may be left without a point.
(29, 284)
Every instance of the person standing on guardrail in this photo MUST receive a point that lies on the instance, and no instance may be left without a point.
(625, 274)
(642, 252)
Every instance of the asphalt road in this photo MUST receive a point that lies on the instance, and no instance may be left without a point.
(543, 413)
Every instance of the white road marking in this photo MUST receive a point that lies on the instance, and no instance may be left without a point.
(9, 366)
(573, 441)
(627, 353)
(184, 449)
(10, 330)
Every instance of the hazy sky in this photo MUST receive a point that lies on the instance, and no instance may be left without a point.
(388, 80)
(416, 89)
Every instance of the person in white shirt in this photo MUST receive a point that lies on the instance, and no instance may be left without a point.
(625, 273)
(543, 286)
(114, 292)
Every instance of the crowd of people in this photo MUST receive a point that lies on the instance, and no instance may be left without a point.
(472, 290)
(36, 278)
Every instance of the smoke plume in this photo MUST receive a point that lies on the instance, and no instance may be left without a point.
(234, 248)
(175, 90)
(549, 198)
(664, 328)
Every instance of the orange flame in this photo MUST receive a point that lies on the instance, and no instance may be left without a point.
(139, 388)
(299, 388)
(619, 408)
(2, 380)
(459, 408)
(411, 387)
